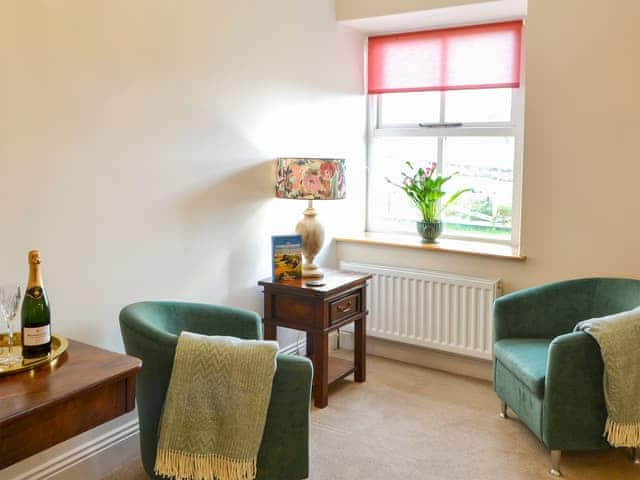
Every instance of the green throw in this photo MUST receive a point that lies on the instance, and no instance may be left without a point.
(216, 408)
(619, 339)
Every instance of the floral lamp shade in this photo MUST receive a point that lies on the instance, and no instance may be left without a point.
(310, 178)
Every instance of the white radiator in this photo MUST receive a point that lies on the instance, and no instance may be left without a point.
(430, 309)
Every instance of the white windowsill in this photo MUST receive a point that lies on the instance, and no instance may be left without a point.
(465, 247)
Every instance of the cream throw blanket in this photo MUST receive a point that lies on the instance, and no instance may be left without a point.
(619, 339)
(216, 408)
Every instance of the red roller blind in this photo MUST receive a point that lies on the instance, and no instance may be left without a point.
(481, 56)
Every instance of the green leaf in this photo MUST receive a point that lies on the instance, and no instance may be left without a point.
(393, 183)
(426, 192)
(453, 198)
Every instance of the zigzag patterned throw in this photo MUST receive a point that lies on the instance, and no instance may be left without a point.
(619, 336)
(216, 408)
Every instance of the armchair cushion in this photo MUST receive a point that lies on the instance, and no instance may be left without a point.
(526, 359)
(519, 397)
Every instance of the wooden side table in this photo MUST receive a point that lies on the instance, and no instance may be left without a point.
(318, 311)
(83, 388)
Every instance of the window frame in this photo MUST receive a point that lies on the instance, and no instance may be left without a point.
(513, 128)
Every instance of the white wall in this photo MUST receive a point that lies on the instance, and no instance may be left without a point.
(136, 141)
(581, 168)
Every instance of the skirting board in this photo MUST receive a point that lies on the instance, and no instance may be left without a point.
(300, 347)
(91, 455)
(424, 357)
(296, 348)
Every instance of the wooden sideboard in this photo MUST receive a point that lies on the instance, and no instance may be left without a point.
(83, 388)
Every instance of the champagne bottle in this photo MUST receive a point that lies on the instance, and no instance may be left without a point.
(36, 316)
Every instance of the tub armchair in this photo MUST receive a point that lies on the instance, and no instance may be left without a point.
(548, 375)
(150, 332)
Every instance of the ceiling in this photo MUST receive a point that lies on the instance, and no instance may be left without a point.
(475, 13)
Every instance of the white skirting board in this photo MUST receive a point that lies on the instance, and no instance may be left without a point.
(401, 352)
(89, 456)
(298, 347)
(421, 356)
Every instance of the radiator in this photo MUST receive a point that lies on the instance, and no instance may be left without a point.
(437, 310)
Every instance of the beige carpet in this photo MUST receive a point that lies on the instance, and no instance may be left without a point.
(408, 422)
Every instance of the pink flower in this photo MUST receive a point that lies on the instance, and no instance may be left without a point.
(407, 181)
(311, 183)
(327, 170)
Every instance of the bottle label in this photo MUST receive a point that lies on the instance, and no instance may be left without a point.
(35, 336)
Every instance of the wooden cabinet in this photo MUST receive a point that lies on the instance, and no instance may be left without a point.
(318, 311)
(85, 387)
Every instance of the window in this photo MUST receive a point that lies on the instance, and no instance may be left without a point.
(474, 132)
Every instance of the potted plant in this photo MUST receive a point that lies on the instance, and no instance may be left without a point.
(425, 191)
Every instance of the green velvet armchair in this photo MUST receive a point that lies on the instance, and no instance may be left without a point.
(150, 332)
(548, 375)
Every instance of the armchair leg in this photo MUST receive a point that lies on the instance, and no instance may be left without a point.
(503, 409)
(635, 455)
(556, 456)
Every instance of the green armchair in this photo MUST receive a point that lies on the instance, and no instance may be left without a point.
(548, 375)
(150, 332)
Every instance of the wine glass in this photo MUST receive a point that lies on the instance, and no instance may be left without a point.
(10, 297)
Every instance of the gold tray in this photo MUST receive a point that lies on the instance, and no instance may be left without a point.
(58, 347)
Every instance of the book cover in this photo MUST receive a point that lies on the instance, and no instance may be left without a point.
(287, 257)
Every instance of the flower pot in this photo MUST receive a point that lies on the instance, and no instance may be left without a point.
(430, 231)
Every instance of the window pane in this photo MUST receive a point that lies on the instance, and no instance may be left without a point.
(409, 108)
(390, 207)
(470, 106)
(484, 164)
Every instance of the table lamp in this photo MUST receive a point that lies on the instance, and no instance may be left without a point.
(310, 179)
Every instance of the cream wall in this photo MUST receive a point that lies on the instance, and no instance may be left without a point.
(136, 139)
(581, 165)
(352, 9)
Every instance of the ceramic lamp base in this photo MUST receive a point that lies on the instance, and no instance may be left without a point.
(311, 271)
(312, 233)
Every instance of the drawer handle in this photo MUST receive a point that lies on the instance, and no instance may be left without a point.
(345, 308)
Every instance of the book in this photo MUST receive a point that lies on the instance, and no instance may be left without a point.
(287, 257)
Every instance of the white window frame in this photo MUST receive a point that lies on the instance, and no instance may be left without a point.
(513, 128)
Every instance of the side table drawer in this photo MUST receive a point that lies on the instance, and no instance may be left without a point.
(345, 307)
(298, 311)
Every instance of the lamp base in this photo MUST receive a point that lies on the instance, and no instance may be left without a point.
(311, 271)
(312, 233)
